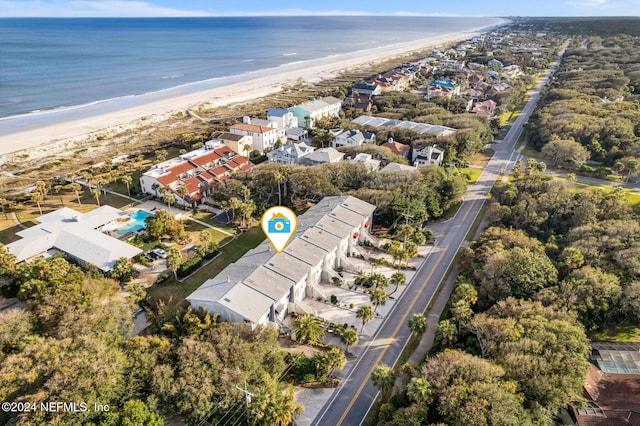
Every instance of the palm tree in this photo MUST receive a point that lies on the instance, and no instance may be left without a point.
(183, 192)
(462, 313)
(348, 336)
(419, 390)
(418, 324)
(447, 331)
(378, 281)
(7, 260)
(36, 197)
(58, 190)
(169, 199)
(308, 329)
(43, 188)
(383, 378)
(378, 297)
(247, 147)
(174, 260)
(155, 188)
(398, 278)
(76, 187)
(365, 314)
(274, 404)
(127, 180)
(96, 193)
(4, 202)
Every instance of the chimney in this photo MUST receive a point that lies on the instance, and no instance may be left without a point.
(246, 119)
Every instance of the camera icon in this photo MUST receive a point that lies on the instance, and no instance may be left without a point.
(279, 224)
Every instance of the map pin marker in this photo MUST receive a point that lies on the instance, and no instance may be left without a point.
(278, 224)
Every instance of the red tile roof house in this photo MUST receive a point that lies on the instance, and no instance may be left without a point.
(397, 148)
(198, 172)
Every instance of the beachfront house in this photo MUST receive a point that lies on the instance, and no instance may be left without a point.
(366, 88)
(263, 137)
(428, 156)
(291, 153)
(262, 287)
(78, 236)
(241, 144)
(344, 137)
(192, 176)
(310, 112)
(282, 119)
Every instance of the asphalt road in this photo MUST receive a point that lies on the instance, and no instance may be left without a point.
(351, 402)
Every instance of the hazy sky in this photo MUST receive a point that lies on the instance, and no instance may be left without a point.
(73, 8)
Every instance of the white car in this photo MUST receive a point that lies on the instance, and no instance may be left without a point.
(160, 252)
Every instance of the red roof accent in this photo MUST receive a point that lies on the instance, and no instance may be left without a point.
(167, 179)
(209, 157)
(397, 147)
(219, 171)
(181, 168)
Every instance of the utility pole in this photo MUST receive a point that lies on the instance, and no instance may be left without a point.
(247, 394)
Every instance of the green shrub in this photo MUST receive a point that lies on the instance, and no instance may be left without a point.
(161, 278)
(189, 266)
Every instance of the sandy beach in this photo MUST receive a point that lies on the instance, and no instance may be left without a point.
(46, 131)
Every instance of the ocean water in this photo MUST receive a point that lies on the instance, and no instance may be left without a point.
(56, 63)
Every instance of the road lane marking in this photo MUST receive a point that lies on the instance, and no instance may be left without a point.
(393, 335)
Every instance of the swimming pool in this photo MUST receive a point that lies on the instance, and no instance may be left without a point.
(136, 224)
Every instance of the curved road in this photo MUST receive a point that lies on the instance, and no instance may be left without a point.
(352, 400)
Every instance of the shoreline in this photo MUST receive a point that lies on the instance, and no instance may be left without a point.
(37, 130)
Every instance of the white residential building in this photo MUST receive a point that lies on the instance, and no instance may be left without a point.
(428, 156)
(263, 136)
(342, 137)
(282, 119)
(77, 235)
(310, 112)
(291, 153)
(263, 287)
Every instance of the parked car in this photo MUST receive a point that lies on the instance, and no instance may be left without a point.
(152, 255)
(160, 253)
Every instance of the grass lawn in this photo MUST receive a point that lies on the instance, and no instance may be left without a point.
(472, 173)
(620, 333)
(511, 116)
(173, 293)
(207, 217)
